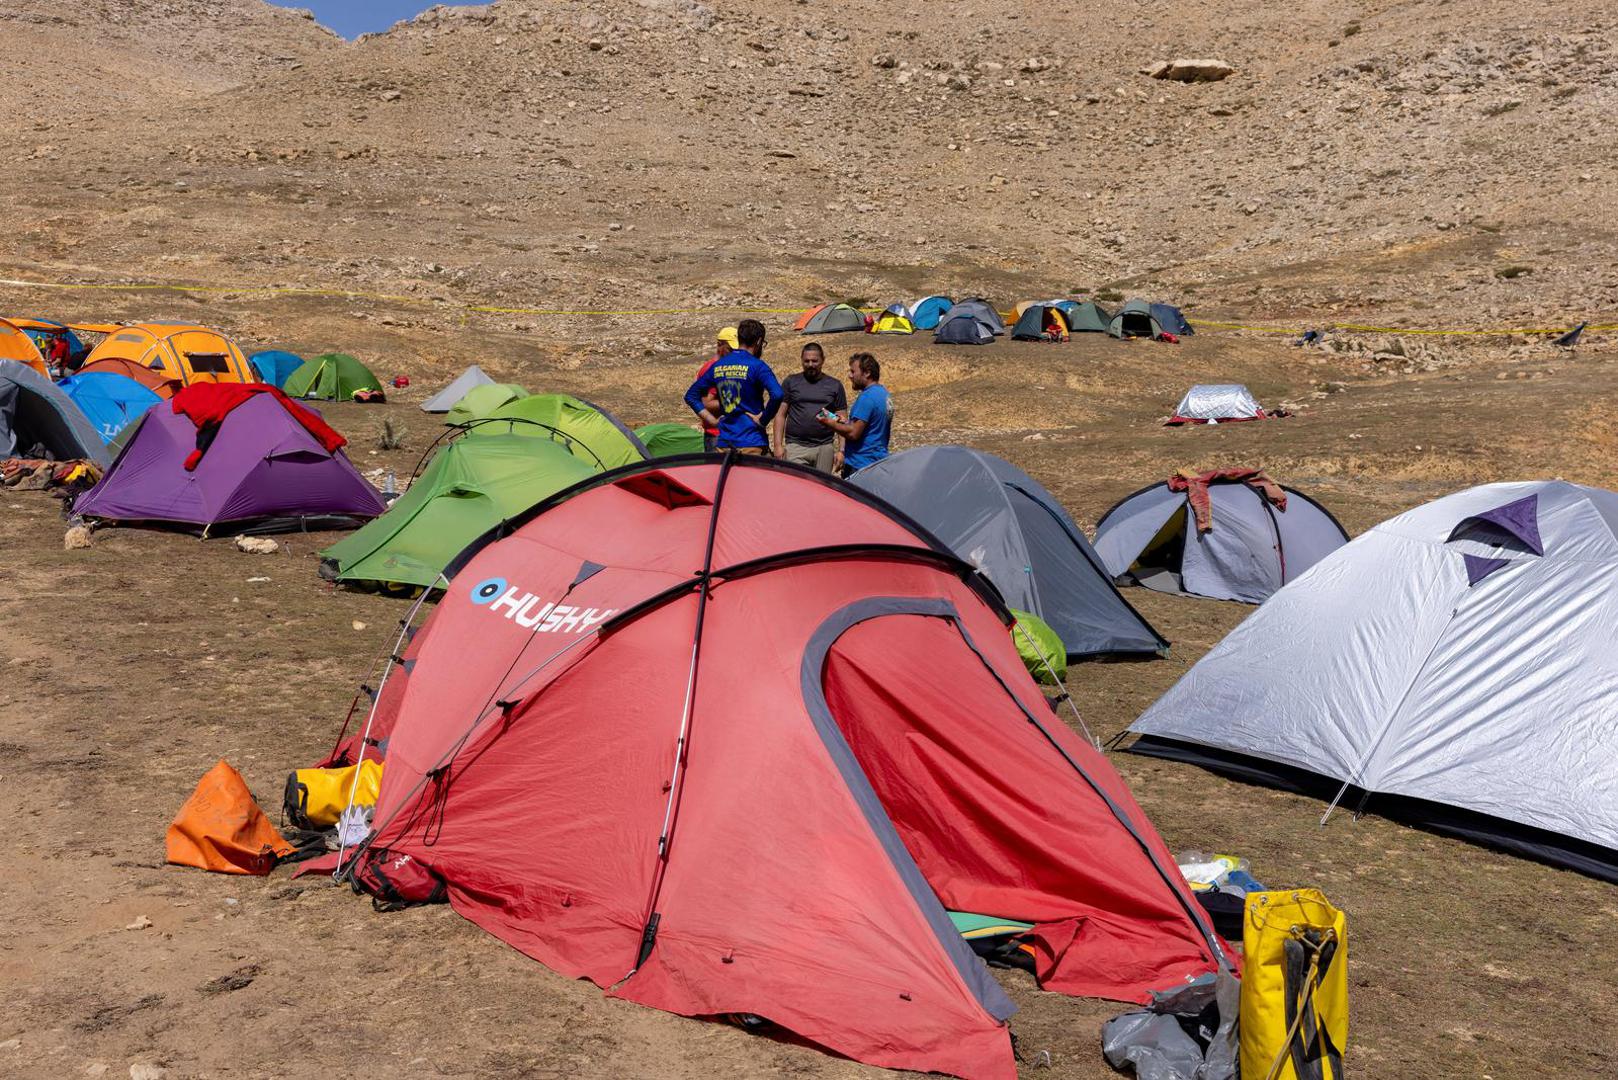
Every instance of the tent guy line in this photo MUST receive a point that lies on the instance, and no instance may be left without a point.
(481, 309)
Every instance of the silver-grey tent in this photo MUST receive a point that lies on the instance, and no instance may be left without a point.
(1217, 403)
(1453, 666)
(996, 517)
(979, 309)
(447, 398)
(38, 420)
(1245, 548)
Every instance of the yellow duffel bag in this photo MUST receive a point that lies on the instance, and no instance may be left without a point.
(1294, 1011)
(315, 798)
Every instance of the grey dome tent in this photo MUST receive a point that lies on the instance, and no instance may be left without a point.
(981, 310)
(998, 518)
(835, 319)
(1453, 667)
(1171, 319)
(1135, 319)
(1249, 549)
(38, 420)
(963, 330)
(447, 398)
(1218, 403)
(1038, 322)
(1085, 316)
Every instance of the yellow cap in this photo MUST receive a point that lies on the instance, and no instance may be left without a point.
(728, 336)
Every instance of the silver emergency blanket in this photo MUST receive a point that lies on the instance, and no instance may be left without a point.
(1462, 653)
(1218, 401)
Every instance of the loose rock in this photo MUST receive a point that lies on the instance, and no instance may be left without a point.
(257, 545)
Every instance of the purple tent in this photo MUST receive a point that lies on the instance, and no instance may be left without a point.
(262, 467)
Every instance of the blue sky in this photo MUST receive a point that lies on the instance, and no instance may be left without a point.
(352, 18)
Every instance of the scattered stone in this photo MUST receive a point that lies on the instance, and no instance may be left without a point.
(959, 81)
(1192, 71)
(884, 61)
(358, 625)
(140, 923)
(391, 95)
(257, 545)
(143, 1071)
(75, 538)
(11, 1044)
(236, 980)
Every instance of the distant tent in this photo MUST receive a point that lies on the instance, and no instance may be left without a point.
(274, 365)
(1169, 318)
(1251, 547)
(482, 400)
(108, 400)
(263, 469)
(835, 319)
(1085, 316)
(1453, 667)
(38, 420)
(1220, 403)
(18, 346)
(186, 354)
(895, 320)
(587, 431)
(1135, 319)
(667, 440)
(448, 397)
(1040, 322)
(330, 377)
(979, 309)
(43, 330)
(926, 313)
(998, 518)
(803, 320)
(963, 330)
(158, 382)
(469, 486)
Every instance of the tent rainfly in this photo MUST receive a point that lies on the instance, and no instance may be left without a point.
(38, 420)
(185, 354)
(1171, 319)
(670, 440)
(331, 377)
(998, 518)
(787, 854)
(964, 330)
(1232, 534)
(1219, 403)
(895, 320)
(481, 401)
(451, 395)
(1452, 667)
(589, 432)
(1040, 322)
(1135, 319)
(835, 319)
(979, 309)
(1085, 316)
(274, 366)
(926, 313)
(108, 400)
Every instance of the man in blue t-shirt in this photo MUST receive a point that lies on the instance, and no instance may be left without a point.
(865, 432)
(749, 395)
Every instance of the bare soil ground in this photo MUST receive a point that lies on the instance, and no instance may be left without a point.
(133, 666)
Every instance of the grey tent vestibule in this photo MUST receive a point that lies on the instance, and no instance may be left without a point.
(1251, 546)
(39, 420)
(998, 518)
(447, 398)
(1452, 667)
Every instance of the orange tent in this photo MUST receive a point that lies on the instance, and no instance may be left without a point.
(16, 345)
(803, 320)
(186, 353)
(155, 381)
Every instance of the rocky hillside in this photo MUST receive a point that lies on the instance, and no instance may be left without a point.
(1423, 159)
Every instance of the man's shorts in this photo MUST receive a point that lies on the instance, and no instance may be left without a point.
(819, 457)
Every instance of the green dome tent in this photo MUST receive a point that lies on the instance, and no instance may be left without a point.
(330, 377)
(469, 486)
(1135, 319)
(667, 440)
(589, 432)
(480, 401)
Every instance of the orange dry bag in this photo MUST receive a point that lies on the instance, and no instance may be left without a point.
(221, 828)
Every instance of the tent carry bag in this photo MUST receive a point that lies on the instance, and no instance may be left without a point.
(315, 798)
(1294, 1005)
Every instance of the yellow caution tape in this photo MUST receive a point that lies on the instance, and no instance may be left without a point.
(484, 309)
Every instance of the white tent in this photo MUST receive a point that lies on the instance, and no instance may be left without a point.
(446, 399)
(1454, 665)
(1215, 404)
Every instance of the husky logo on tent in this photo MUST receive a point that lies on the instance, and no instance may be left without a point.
(530, 612)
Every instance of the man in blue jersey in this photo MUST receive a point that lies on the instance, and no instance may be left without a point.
(865, 432)
(749, 395)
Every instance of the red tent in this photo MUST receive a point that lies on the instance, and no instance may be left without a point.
(732, 738)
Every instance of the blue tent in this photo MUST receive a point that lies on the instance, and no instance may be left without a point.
(274, 365)
(1169, 318)
(925, 313)
(41, 336)
(110, 401)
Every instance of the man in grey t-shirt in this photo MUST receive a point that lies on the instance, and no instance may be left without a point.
(799, 437)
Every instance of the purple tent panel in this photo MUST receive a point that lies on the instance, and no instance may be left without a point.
(1517, 520)
(1478, 567)
(262, 465)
